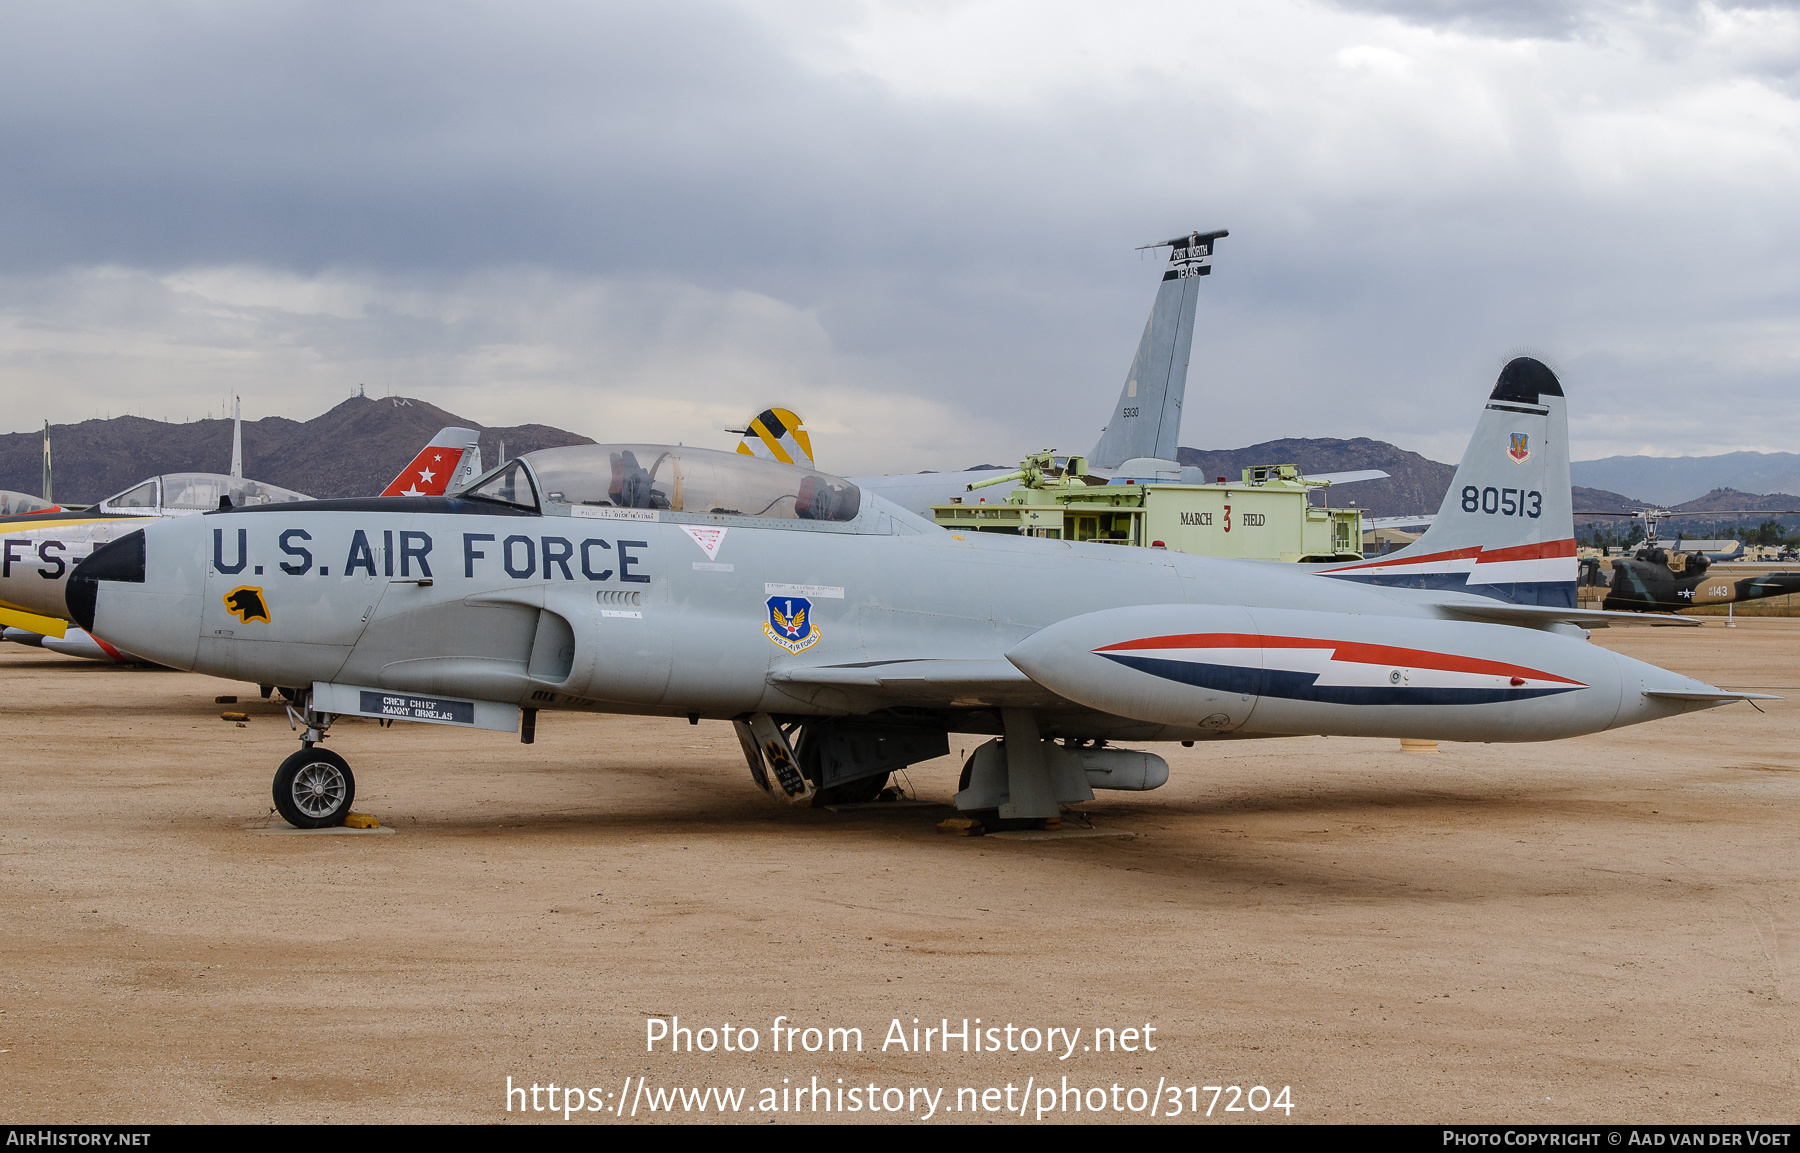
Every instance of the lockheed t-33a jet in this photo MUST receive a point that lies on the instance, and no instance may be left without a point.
(844, 636)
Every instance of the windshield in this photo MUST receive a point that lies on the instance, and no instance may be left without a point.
(508, 484)
(691, 480)
(143, 496)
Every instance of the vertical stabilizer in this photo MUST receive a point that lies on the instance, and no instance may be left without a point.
(1147, 420)
(777, 433)
(1506, 528)
(237, 436)
(448, 461)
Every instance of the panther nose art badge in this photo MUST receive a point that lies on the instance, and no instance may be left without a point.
(246, 603)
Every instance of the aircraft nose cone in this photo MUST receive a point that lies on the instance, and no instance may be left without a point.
(122, 560)
(142, 593)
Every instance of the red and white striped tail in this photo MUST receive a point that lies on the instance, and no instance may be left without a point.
(452, 457)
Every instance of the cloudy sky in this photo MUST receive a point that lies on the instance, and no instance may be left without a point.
(913, 221)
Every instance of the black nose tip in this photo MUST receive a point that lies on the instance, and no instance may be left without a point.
(122, 560)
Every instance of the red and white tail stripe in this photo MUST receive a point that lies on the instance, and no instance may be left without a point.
(1541, 561)
(436, 466)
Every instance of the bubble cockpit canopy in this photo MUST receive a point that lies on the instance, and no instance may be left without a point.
(184, 492)
(660, 477)
(22, 504)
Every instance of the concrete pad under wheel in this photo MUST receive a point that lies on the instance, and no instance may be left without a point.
(1059, 834)
(865, 806)
(334, 830)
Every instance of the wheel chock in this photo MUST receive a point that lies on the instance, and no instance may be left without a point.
(234, 716)
(1410, 745)
(961, 827)
(361, 821)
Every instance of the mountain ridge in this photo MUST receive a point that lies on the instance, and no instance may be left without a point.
(353, 449)
(1669, 480)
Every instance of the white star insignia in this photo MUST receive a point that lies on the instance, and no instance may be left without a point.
(413, 491)
(426, 475)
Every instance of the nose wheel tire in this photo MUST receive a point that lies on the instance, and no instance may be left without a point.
(313, 789)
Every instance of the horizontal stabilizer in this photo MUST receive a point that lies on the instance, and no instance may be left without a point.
(1535, 616)
(1398, 521)
(1347, 477)
(1722, 696)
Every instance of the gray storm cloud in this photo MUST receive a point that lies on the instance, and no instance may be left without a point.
(915, 222)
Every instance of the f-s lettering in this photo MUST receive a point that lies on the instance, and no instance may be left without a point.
(47, 573)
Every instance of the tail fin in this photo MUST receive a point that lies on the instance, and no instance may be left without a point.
(1506, 528)
(237, 436)
(452, 457)
(1147, 420)
(777, 434)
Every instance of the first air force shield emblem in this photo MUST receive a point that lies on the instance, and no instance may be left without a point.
(1519, 452)
(790, 623)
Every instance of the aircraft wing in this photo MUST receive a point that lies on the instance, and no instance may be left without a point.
(925, 681)
(1397, 521)
(1348, 477)
(1533, 616)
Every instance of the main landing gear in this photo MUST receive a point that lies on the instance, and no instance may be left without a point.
(313, 788)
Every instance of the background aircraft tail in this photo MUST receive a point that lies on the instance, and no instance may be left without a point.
(777, 434)
(1147, 419)
(1506, 528)
(453, 457)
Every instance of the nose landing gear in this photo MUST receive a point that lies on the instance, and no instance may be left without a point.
(313, 788)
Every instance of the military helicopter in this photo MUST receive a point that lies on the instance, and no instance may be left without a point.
(1658, 578)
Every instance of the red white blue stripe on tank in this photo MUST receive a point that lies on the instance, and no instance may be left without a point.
(1332, 672)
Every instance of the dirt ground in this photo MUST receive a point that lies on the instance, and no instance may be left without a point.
(1603, 929)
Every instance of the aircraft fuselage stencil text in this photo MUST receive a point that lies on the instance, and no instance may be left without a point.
(1503, 501)
(409, 555)
(408, 707)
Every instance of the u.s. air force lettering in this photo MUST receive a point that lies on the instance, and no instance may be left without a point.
(407, 554)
